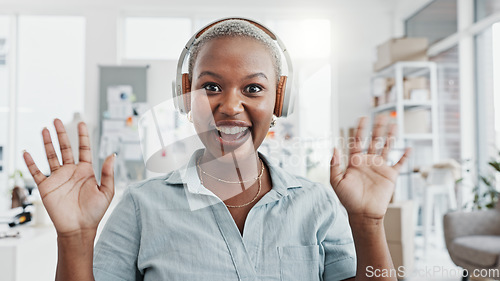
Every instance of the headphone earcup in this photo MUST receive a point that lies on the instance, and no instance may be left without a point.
(186, 93)
(280, 96)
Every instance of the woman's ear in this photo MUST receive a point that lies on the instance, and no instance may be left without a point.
(186, 92)
(280, 95)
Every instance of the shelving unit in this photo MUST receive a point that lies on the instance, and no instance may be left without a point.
(399, 71)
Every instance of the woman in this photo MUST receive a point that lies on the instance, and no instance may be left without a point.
(230, 214)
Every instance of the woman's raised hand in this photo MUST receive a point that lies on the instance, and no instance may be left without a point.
(366, 186)
(71, 194)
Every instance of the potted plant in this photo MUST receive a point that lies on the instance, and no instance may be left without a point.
(487, 198)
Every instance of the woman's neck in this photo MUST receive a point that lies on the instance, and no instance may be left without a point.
(230, 168)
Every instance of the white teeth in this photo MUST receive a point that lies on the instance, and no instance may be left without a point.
(231, 130)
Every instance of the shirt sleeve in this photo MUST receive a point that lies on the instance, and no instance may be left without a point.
(117, 250)
(340, 254)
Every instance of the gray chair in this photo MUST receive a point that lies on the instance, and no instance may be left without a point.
(473, 241)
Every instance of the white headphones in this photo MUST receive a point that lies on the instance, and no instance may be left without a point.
(181, 86)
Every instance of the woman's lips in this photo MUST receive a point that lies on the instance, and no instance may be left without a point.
(232, 136)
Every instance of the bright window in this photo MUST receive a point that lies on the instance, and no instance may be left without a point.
(155, 38)
(485, 8)
(51, 65)
(305, 39)
(488, 96)
(4, 87)
(4, 106)
(496, 83)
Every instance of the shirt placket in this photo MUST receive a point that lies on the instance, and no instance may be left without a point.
(243, 264)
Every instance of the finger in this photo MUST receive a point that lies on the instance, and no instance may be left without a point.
(356, 145)
(107, 177)
(402, 161)
(34, 171)
(84, 143)
(389, 142)
(335, 168)
(62, 136)
(49, 150)
(377, 134)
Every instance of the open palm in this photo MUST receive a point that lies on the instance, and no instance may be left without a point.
(71, 194)
(366, 186)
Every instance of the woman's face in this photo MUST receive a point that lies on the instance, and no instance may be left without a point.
(233, 95)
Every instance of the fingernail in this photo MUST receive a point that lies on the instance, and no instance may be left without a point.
(24, 151)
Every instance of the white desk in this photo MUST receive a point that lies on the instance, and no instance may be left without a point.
(32, 256)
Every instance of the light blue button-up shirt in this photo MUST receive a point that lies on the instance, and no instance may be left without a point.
(173, 228)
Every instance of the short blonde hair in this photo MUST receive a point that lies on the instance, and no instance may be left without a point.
(236, 28)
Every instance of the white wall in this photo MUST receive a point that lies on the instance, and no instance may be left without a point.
(356, 34)
(357, 27)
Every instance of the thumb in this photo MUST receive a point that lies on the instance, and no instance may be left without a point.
(335, 168)
(108, 177)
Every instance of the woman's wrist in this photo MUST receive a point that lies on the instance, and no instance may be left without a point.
(78, 236)
(364, 223)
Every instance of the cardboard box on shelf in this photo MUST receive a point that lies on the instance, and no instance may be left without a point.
(417, 121)
(390, 95)
(414, 83)
(401, 49)
(382, 90)
(399, 232)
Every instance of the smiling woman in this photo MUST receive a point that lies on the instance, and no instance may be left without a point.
(230, 213)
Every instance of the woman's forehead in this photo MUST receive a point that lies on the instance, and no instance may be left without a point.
(234, 52)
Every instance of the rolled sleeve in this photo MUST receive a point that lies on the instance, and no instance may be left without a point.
(116, 252)
(340, 254)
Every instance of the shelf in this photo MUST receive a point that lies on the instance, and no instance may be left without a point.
(410, 68)
(407, 104)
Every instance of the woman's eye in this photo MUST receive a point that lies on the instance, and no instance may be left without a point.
(252, 89)
(211, 87)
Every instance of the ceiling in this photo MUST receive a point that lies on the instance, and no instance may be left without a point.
(196, 4)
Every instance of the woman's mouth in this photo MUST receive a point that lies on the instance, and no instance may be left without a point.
(232, 135)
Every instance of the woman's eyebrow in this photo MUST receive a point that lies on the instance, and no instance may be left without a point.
(258, 74)
(204, 73)
(210, 73)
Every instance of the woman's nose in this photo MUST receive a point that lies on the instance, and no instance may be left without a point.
(231, 103)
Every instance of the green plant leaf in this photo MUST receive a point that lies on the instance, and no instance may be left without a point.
(495, 165)
(486, 180)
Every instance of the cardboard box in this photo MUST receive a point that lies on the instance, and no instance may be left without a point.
(414, 83)
(417, 121)
(398, 222)
(399, 231)
(401, 49)
(402, 258)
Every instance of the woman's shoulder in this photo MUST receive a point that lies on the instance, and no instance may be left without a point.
(314, 189)
(298, 186)
(150, 182)
(163, 185)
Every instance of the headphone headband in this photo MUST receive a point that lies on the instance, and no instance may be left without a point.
(284, 100)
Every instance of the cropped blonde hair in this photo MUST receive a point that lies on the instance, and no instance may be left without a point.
(236, 28)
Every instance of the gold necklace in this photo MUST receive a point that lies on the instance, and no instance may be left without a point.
(230, 182)
(256, 195)
(248, 203)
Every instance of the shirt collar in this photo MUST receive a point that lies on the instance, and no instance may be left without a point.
(187, 175)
